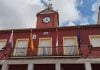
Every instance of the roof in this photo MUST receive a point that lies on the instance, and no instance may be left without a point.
(46, 11)
(65, 27)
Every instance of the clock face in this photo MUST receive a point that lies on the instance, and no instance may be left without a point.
(46, 19)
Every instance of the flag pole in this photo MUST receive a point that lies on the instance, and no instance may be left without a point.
(57, 40)
(12, 47)
(31, 41)
(12, 38)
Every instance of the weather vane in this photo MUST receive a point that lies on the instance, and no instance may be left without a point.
(48, 4)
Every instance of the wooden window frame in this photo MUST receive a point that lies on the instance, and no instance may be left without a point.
(93, 36)
(72, 37)
(4, 40)
(26, 39)
(47, 38)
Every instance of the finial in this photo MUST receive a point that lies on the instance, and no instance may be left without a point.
(49, 6)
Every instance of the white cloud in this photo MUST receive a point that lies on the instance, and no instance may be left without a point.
(98, 1)
(67, 10)
(95, 17)
(33, 2)
(95, 7)
(19, 13)
(22, 13)
(84, 21)
(81, 2)
(71, 24)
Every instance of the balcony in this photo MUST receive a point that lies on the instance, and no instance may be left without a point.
(71, 51)
(20, 52)
(44, 51)
(59, 51)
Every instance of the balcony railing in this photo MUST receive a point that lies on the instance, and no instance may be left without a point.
(19, 52)
(71, 50)
(66, 50)
(45, 51)
(50, 51)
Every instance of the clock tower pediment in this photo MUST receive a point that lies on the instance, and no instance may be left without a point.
(47, 19)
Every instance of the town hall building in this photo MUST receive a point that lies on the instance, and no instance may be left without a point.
(50, 47)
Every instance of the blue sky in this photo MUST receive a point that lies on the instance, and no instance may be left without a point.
(86, 10)
(19, 14)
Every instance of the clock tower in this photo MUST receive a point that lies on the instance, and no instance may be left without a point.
(48, 18)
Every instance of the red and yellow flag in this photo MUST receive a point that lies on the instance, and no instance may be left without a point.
(31, 42)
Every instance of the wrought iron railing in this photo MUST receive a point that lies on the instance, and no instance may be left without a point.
(50, 51)
(71, 50)
(19, 52)
(44, 51)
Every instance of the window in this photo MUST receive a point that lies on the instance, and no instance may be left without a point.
(95, 40)
(2, 43)
(21, 47)
(45, 46)
(70, 45)
(95, 66)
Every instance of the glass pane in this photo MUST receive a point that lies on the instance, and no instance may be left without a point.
(2, 44)
(95, 42)
(70, 46)
(21, 48)
(70, 51)
(20, 51)
(45, 43)
(45, 47)
(22, 44)
(44, 51)
(69, 41)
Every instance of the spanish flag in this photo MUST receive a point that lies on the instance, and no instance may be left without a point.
(31, 42)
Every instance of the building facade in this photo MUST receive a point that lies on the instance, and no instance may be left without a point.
(50, 47)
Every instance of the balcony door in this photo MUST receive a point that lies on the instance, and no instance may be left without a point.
(2, 43)
(95, 40)
(70, 46)
(45, 46)
(21, 47)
